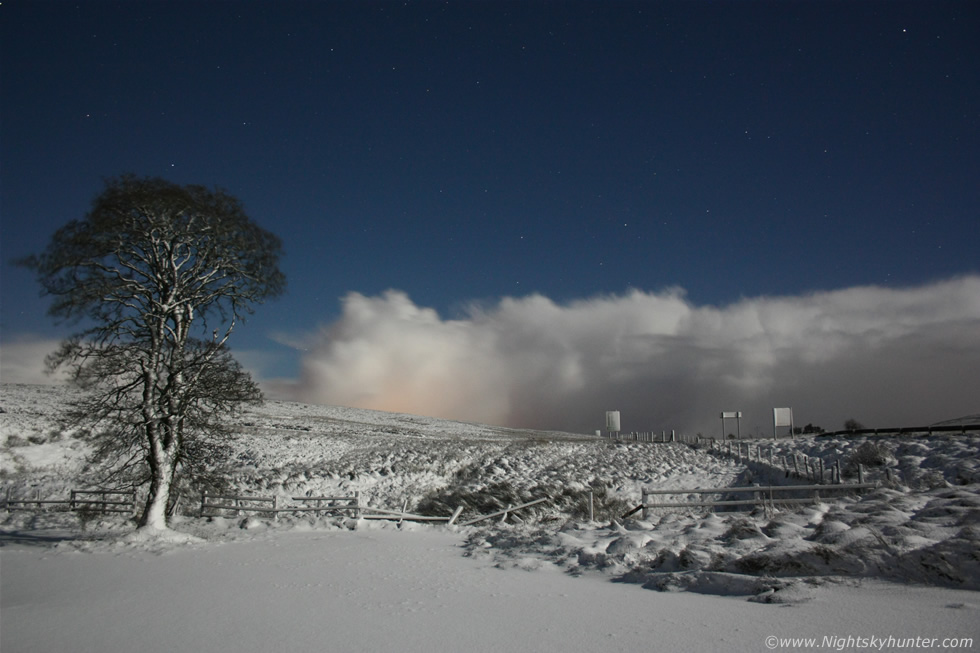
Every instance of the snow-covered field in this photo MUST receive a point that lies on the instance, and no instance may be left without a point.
(900, 561)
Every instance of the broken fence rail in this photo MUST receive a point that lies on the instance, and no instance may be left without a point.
(506, 511)
(380, 513)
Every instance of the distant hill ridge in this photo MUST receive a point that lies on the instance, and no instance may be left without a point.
(969, 419)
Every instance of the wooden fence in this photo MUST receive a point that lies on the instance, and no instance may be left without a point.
(100, 501)
(652, 437)
(673, 436)
(211, 503)
(908, 430)
(794, 465)
(761, 495)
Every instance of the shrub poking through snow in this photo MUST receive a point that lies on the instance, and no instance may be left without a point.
(870, 454)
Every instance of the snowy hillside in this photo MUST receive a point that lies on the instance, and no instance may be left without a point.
(921, 525)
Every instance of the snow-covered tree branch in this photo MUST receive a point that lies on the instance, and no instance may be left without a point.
(157, 276)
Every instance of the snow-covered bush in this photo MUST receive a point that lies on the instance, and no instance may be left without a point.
(870, 454)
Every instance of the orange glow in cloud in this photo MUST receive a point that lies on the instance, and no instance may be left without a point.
(885, 356)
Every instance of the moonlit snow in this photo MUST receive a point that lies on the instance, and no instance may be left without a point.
(901, 561)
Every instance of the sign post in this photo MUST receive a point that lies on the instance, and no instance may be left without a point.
(782, 417)
(735, 415)
(612, 422)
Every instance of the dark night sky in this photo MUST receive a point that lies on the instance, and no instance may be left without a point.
(462, 153)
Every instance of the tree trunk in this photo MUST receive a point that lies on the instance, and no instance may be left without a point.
(162, 472)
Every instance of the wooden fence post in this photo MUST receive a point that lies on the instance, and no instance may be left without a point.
(455, 515)
(591, 506)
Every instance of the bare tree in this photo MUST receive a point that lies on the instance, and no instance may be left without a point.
(157, 276)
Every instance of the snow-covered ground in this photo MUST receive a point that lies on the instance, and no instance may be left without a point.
(899, 561)
(385, 589)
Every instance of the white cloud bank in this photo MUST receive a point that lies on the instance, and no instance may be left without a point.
(887, 357)
(22, 361)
